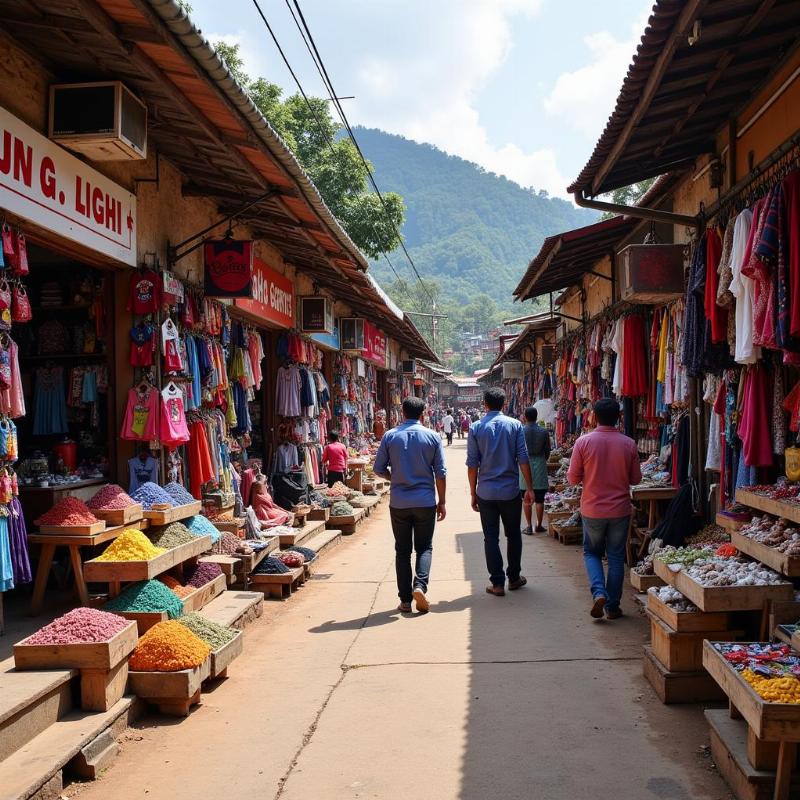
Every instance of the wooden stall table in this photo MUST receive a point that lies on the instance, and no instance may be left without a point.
(356, 466)
(652, 495)
(50, 541)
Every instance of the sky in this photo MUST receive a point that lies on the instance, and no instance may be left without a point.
(521, 87)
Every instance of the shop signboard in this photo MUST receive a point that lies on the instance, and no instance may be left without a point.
(374, 345)
(272, 298)
(228, 267)
(43, 183)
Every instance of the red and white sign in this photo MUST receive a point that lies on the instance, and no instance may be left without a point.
(273, 296)
(374, 345)
(45, 184)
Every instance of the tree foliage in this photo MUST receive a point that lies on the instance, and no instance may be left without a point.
(331, 160)
(628, 195)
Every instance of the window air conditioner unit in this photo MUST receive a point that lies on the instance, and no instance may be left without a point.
(513, 369)
(103, 121)
(352, 333)
(408, 367)
(316, 315)
(652, 273)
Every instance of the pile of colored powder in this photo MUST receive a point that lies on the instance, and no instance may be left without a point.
(168, 647)
(271, 566)
(150, 494)
(79, 626)
(111, 498)
(204, 572)
(69, 511)
(172, 535)
(306, 552)
(200, 526)
(213, 634)
(341, 509)
(291, 558)
(179, 494)
(131, 545)
(227, 545)
(174, 585)
(147, 596)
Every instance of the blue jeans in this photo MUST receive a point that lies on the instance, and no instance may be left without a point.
(413, 530)
(510, 511)
(605, 537)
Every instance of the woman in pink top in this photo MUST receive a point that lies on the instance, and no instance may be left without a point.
(607, 463)
(334, 457)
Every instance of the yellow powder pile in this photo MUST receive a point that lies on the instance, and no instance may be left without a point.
(131, 545)
(168, 647)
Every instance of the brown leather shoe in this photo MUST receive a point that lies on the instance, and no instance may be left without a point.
(404, 608)
(518, 583)
(613, 613)
(497, 591)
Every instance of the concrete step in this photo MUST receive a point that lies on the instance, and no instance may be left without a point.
(30, 702)
(323, 541)
(301, 534)
(96, 757)
(235, 609)
(37, 766)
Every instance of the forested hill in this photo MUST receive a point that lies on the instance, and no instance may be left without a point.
(470, 230)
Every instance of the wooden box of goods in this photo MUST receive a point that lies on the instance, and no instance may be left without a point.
(349, 519)
(319, 514)
(771, 534)
(120, 516)
(87, 529)
(732, 522)
(723, 598)
(278, 585)
(685, 621)
(569, 534)
(163, 514)
(222, 658)
(782, 620)
(679, 687)
(682, 652)
(173, 693)
(644, 582)
(94, 642)
(204, 594)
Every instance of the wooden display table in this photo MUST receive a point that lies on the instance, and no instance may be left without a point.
(778, 508)
(50, 541)
(723, 598)
(780, 562)
(38, 500)
(643, 582)
(652, 495)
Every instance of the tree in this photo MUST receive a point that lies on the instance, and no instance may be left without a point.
(628, 195)
(333, 162)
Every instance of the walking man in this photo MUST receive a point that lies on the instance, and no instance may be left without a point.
(537, 440)
(334, 457)
(496, 454)
(607, 463)
(411, 457)
(449, 423)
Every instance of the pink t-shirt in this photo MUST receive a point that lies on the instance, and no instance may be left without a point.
(335, 455)
(607, 463)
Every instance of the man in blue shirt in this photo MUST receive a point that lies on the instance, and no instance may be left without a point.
(411, 457)
(496, 453)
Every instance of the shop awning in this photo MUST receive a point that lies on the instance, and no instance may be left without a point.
(698, 62)
(565, 257)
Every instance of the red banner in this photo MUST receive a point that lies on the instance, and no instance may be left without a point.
(374, 345)
(273, 296)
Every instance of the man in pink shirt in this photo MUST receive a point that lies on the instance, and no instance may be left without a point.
(607, 463)
(334, 456)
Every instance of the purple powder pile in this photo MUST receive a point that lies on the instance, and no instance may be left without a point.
(150, 494)
(204, 572)
(179, 494)
(79, 626)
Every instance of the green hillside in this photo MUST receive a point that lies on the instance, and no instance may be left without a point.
(470, 230)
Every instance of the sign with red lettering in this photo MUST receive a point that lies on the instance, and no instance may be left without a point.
(272, 297)
(45, 184)
(374, 345)
(228, 267)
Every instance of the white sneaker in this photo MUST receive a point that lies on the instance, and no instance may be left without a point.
(422, 602)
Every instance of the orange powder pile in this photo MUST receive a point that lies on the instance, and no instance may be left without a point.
(175, 585)
(168, 647)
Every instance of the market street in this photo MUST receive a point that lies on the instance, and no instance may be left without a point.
(341, 697)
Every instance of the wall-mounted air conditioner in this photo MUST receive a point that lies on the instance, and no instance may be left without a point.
(513, 369)
(408, 367)
(103, 121)
(352, 333)
(316, 315)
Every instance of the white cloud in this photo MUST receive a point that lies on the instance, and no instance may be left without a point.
(584, 98)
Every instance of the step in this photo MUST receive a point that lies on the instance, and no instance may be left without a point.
(39, 762)
(300, 534)
(235, 609)
(31, 701)
(97, 756)
(323, 541)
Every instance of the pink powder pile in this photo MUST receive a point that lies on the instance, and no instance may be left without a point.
(79, 626)
(111, 498)
(69, 511)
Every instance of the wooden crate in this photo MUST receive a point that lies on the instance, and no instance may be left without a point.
(235, 526)
(723, 598)
(682, 652)
(686, 621)
(279, 586)
(144, 619)
(174, 514)
(73, 530)
(731, 523)
(127, 571)
(679, 687)
(174, 693)
(89, 655)
(770, 721)
(349, 519)
(570, 535)
(778, 508)
(780, 562)
(221, 659)
(102, 689)
(120, 516)
(204, 594)
(783, 613)
(319, 514)
(644, 582)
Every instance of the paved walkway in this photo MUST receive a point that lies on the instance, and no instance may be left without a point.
(338, 696)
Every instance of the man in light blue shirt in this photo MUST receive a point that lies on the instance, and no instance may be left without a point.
(411, 457)
(496, 454)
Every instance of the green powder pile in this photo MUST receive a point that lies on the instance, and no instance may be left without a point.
(214, 635)
(342, 509)
(172, 535)
(149, 596)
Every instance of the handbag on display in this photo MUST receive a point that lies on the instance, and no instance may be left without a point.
(8, 245)
(20, 304)
(792, 455)
(20, 263)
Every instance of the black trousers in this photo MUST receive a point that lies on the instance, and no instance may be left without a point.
(492, 511)
(334, 476)
(413, 530)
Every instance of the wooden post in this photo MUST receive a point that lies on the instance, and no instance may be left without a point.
(783, 775)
